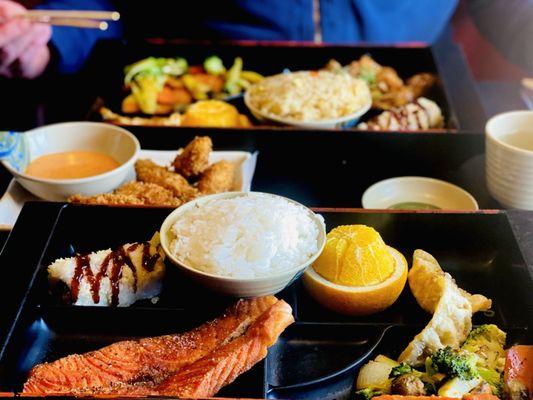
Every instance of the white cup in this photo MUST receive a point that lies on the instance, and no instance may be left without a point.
(509, 158)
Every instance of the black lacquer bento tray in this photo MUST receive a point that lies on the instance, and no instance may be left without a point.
(333, 169)
(272, 58)
(317, 357)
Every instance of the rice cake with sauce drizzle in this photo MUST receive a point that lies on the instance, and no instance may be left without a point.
(118, 277)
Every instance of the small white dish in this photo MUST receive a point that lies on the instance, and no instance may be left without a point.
(237, 287)
(15, 196)
(347, 121)
(416, 193)
(92, 136)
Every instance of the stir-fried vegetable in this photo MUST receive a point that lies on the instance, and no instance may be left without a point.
(232, 77)
(487, 342)
(165, 85)
(454, 363)
(146, 89)
(401, 369)
(214, 65)
(155, 66)
(367, 394)
(251, 76)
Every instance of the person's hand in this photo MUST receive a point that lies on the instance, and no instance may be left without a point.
(23, 45)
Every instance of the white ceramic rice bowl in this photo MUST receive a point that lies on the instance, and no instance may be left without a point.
(232, 286)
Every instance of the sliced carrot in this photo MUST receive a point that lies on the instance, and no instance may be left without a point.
(129, 105)
(163, 109)
(195, 69)
(175, 83)
(170, 96)
(215, 82)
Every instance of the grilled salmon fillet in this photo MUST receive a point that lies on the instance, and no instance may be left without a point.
(145, 360)
(205, 377)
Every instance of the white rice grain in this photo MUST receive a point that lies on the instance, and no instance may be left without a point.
(245, 237)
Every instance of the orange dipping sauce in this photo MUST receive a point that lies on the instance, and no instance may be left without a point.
(71, 165)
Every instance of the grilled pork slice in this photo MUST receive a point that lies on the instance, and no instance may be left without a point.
(205, 377)
(149, 359)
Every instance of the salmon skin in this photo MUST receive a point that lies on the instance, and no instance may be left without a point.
(149, 360)
(205, 377)
(518, 372)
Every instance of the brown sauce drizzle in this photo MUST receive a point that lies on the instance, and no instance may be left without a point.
(401, 116)
(111, 267)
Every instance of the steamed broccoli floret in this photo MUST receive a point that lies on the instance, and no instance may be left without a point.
(454, 363)
(400, 370)
(430, 387)
(367, 394)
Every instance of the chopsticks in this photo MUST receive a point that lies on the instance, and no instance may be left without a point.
(74, 18)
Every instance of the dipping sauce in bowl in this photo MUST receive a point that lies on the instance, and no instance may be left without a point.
(413, 205)
(71, 165)
(71, 158)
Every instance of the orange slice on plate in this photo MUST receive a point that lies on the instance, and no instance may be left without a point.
(211, 113)
(357, 273)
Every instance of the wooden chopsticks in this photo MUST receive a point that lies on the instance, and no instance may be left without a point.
(74, 18)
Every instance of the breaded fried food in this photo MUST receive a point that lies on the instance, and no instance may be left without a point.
(132, 193)
(218, 178)
(194, 158)
(148, 171)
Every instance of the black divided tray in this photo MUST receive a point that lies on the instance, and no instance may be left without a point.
(265, 58)
(317, 357)
(333, 169)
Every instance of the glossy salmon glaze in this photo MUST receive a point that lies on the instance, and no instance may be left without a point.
(482, 396)
(205, 377)
(518, 372)
(145, 360)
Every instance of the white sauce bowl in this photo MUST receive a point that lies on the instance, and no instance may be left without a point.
(88, 136)
(417, 189)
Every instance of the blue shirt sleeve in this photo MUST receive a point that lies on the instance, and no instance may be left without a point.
(73, 45)
(340, 21)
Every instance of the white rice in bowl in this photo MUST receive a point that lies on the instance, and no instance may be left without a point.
(249, 236)
(309, 95)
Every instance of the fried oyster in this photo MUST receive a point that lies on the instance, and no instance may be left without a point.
(148, 171)
(189, 176)
(132, 193)
(194, 158)
(217, 178)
